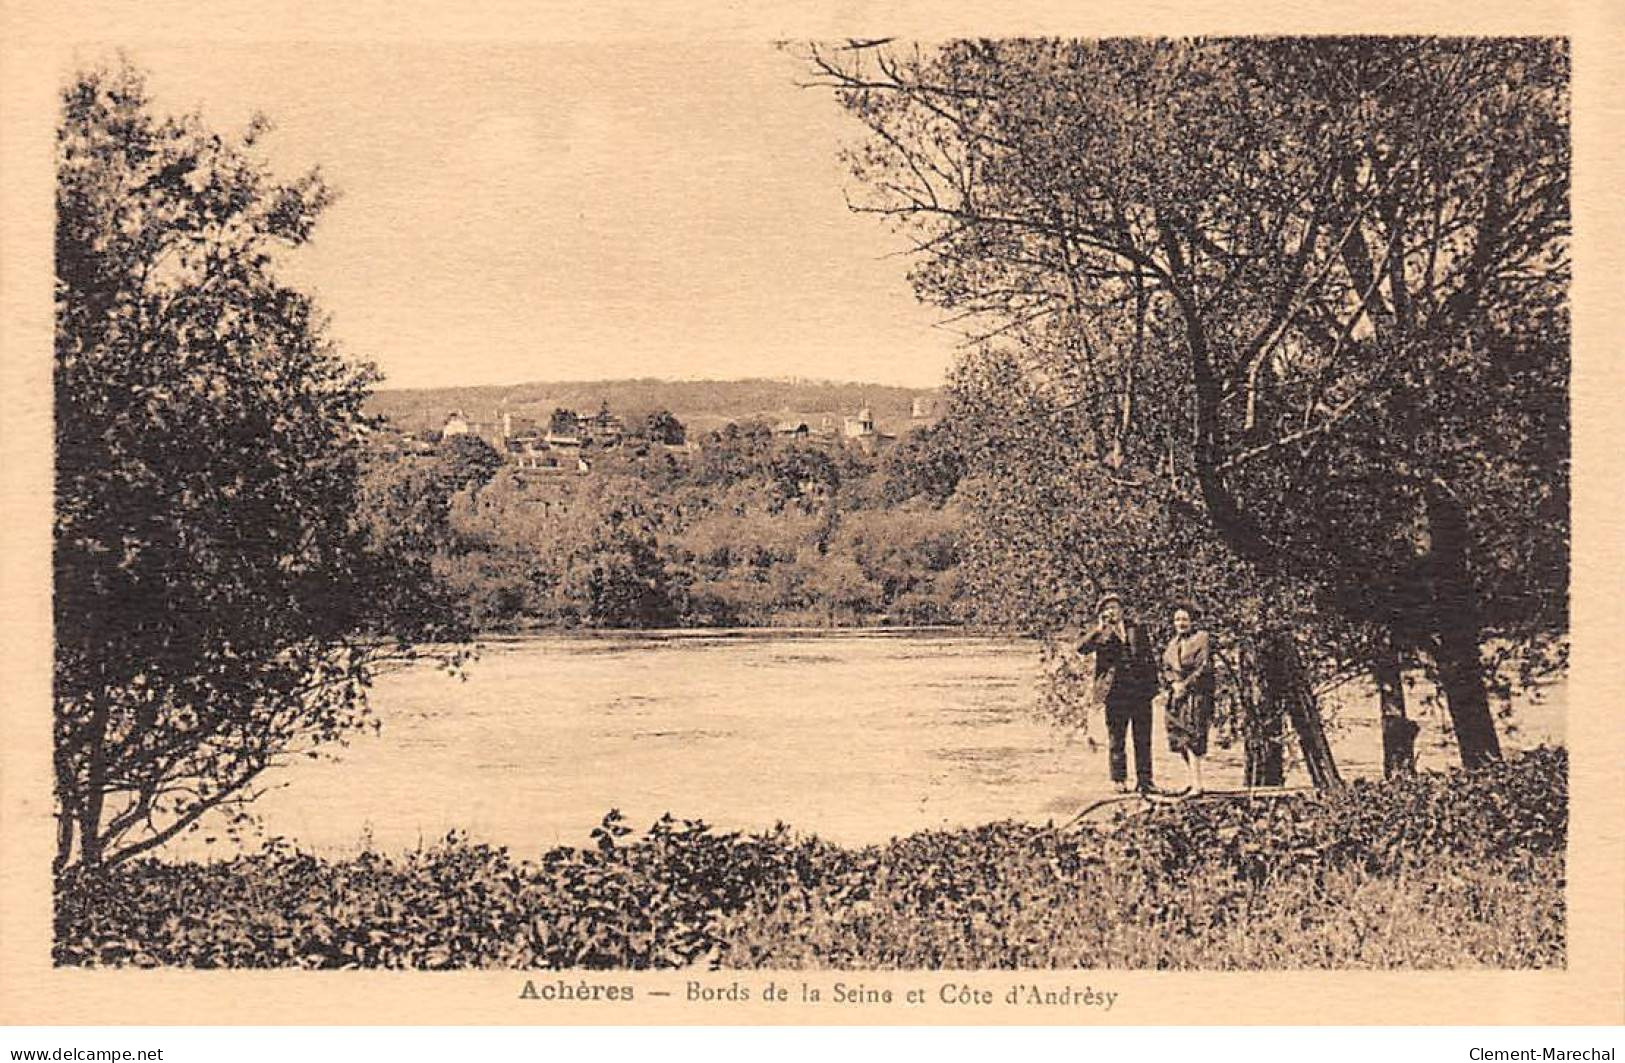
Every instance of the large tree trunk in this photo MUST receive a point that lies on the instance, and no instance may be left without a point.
(64, 840)
(90, 839)
(1456, 632)
(1398, 730)
(1286, 687)
(67, 811)
(1461, 676)
(95, 786)
(1265, 763)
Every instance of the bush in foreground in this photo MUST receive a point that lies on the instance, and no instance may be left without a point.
(1462, 869)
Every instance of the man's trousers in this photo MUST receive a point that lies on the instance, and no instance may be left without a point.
(1119, 718)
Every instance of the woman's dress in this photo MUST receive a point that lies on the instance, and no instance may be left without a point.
(1188, 659)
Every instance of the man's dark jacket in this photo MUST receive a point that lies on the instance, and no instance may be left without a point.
(1126, 673)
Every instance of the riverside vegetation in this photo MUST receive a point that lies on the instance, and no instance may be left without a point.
(750, 530)
(1430, 871)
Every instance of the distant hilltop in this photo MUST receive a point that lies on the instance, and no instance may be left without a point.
(700, 404)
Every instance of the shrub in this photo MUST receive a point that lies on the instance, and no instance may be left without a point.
(1435, 871)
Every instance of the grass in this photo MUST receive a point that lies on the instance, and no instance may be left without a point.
(1438, 871)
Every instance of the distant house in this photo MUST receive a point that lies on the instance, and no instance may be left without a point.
(804, 426)
(457, 424)
(924, 412)
(516, 427)
(557, 449)
(602, 428)
(519, 437)
(532, 454)
(861, 425)
(860, 432)
(549, 463)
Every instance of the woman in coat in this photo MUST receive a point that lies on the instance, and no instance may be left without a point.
(1187, 672)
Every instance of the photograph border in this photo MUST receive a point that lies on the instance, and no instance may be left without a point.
(38, 45)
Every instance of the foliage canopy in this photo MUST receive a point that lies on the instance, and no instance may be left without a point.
(1312, 291)
(218, 607)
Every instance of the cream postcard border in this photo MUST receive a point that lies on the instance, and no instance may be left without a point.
(36, 43)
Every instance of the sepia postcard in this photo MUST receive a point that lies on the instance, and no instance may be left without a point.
(1066, 515)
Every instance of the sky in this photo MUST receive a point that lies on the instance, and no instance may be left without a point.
(575, 211)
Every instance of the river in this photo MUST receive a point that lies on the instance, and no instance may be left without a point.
(853, 736)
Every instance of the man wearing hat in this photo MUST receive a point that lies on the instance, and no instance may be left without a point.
(1126, 681)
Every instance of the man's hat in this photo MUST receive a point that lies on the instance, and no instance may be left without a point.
(1109, 596)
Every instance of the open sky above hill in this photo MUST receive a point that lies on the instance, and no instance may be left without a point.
(574, 211)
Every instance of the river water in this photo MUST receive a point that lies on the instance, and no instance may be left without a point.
(856, 737)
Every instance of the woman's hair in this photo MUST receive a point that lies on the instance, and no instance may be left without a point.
(1188, 606)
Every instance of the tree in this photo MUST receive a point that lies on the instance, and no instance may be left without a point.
(805, 476)
(219, 608)
(610, 572)
(1316, 289)
(928, 462)
(837, 584)
(903, 551)
(563, 422)
(466, 460)
(1048, 530)
(664, 427)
